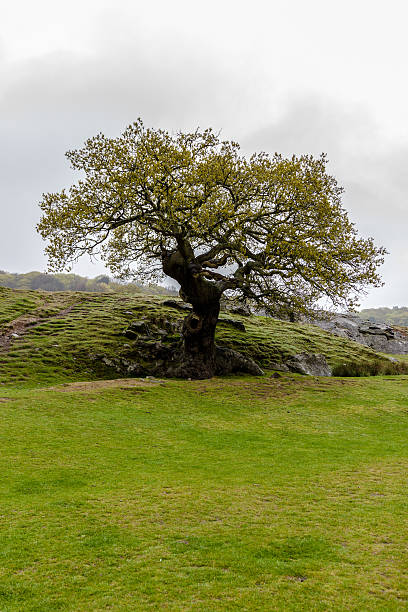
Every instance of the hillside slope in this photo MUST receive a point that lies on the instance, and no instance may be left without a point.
(393, 316)
(50, 337)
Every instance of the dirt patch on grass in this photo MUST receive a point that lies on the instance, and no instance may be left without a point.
(15, 329)
(6, 399)
(101, 385)
(268, 386)
(20, 326)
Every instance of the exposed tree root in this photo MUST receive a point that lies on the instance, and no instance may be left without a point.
(226, 361)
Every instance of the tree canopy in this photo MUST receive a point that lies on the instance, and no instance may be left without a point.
(267, 229)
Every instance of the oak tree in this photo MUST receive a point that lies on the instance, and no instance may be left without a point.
(269, 230)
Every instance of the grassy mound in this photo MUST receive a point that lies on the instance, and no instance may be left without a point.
(79, 336)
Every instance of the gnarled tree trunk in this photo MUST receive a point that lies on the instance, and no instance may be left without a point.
(199, 357)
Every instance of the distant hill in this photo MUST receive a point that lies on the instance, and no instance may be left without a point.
(392, 316)
(74, 282)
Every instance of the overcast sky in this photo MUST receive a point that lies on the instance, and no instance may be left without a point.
(294, 77)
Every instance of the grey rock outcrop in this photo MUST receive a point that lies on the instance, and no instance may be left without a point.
(311, 364)
(378, 336)
(178, 305)
(280, 367)
(243, 311)
(233, 323)
(229, 361)
(137, 328)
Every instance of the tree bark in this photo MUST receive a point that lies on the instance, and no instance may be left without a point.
(199, 357)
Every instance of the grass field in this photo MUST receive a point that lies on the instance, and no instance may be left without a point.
(273, 494)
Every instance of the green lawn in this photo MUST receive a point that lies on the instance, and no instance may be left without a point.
(272, 494)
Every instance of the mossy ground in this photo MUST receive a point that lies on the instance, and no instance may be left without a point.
(60, 348)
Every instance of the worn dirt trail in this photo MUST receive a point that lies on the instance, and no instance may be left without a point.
(102, 385)
(20, 326)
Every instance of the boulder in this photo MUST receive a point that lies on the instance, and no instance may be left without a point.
(177, 305)
(280, 367)
(237, 324)
(137, 328)
(229, 361)
(309, 363)
(244, 311)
